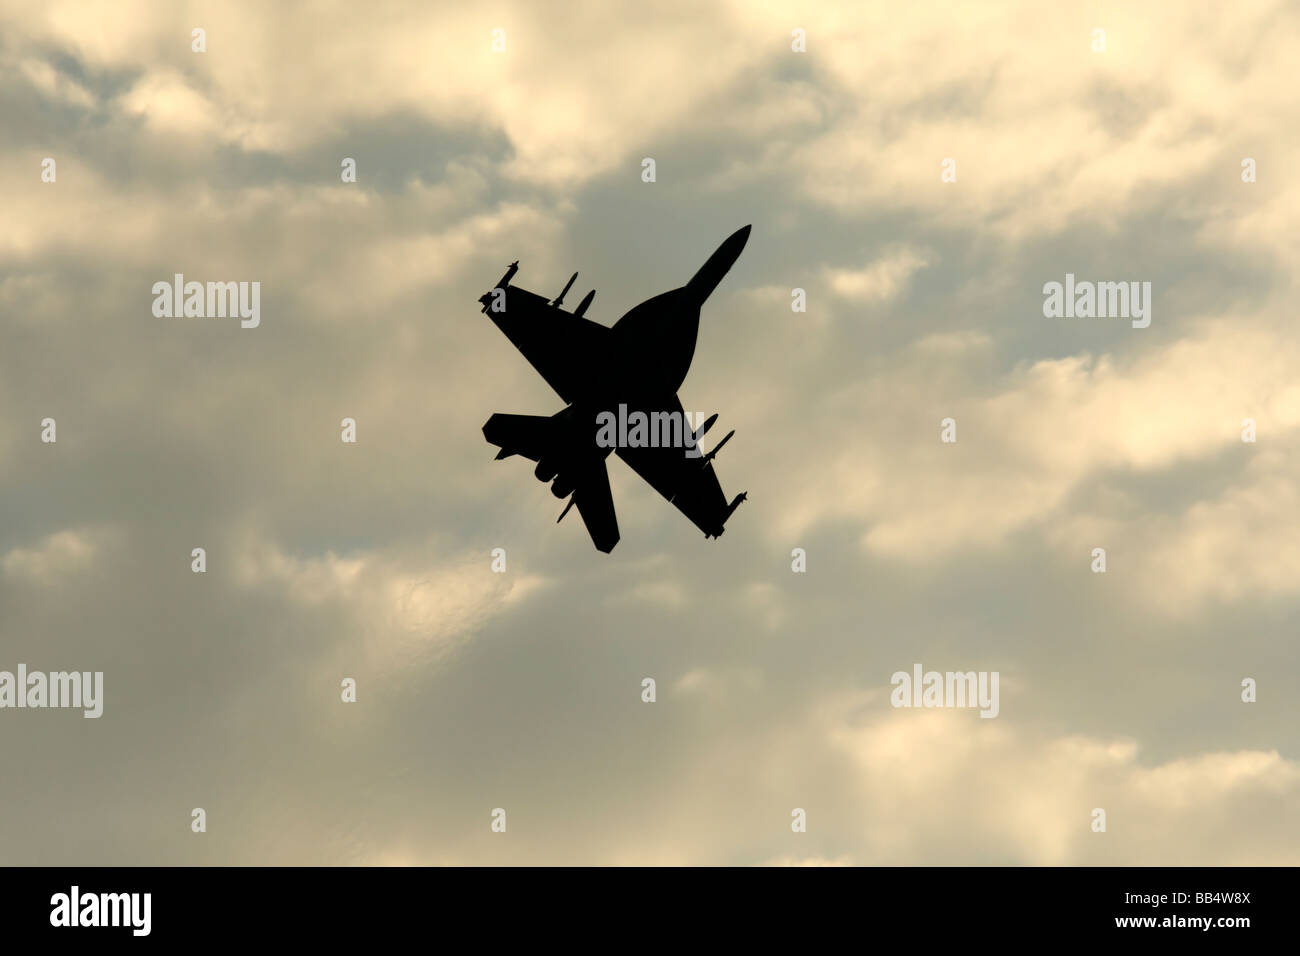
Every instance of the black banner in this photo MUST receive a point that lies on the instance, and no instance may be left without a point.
(1150, 905)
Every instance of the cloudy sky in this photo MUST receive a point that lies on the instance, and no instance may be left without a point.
(523, 690)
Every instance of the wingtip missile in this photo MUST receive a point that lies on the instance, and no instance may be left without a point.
(735, 503)
(722, 522)
(486, 297)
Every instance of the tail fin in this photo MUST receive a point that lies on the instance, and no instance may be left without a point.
(706, 280)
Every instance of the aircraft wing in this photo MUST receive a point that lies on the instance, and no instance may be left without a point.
(564, 348)
(689, 483)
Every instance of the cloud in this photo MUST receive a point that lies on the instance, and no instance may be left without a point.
(807, 861)
(940, 786)
(56, 85)
(882, 280)
(412, 611)
(372, 560)
(51, 560)
(1030, 445)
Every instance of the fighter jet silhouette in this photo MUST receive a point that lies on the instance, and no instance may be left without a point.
(599, 371)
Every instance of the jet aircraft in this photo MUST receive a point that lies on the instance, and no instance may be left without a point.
(636, 365)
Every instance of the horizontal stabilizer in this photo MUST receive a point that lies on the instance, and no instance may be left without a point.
(527, 435)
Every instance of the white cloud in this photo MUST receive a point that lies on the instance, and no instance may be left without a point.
(58, 557)
(941, 786)
(882, 280)
(409, 609)
(1048, 430)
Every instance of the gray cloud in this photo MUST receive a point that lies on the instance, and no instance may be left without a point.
(522, 690)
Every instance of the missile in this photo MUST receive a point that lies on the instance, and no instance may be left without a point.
(572, 499)
(708, 423)
(717, 448)
(560, 301)
(582, 306)
(735, 503)
(486, 297)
